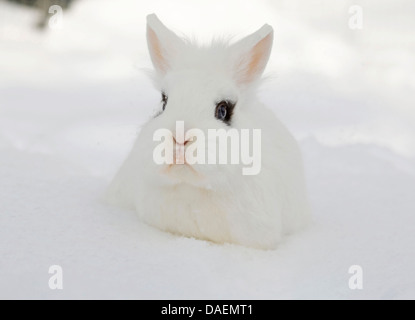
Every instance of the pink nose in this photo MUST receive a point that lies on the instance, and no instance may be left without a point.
(174, 139)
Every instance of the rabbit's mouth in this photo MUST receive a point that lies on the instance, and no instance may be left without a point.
(182, 167)
(183, 173)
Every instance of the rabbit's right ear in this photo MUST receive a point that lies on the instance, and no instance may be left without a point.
(163, 44)
(251, 55)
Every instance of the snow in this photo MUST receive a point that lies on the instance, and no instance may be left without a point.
(72, 101)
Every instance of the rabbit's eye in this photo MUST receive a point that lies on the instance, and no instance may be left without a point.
(164, 100)
(224, 110)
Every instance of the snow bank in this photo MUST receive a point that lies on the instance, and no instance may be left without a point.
(72, 101)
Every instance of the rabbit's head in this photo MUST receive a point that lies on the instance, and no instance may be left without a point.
(204, 87)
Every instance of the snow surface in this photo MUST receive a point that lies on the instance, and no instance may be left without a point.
(72, 101)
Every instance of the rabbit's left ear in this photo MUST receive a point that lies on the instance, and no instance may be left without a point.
(250, 55)
(163, 44)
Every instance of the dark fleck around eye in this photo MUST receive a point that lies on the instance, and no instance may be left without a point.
(224, 110)
(164, 99)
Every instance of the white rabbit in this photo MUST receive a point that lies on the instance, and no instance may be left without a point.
(214, 202)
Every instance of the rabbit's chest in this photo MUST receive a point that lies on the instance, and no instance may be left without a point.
(194, 212)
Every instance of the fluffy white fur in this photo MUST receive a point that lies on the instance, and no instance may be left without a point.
(214, 202)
